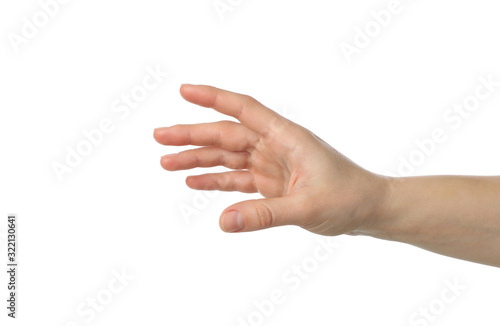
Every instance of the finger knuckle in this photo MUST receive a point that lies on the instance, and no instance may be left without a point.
(227, 182)
(278, 124)
(264, 216)
(249, 99)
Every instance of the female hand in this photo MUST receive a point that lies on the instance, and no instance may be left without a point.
(305, 181)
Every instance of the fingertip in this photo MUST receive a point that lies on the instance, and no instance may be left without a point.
(232, 221)
(162, 163)
(184, 86)
(190, 182)
(185, 89)
(156, 134)
(202, 95)
(167, 163)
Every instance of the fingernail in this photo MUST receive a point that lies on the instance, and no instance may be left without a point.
(232, 221)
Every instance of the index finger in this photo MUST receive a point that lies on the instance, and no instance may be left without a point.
(246, 109)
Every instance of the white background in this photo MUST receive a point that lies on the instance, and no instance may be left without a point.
(119, 210)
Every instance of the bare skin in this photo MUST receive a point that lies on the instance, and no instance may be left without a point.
(308, 183)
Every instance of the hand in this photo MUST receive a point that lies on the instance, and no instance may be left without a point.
(305, 181)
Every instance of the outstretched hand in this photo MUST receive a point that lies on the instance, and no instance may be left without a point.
(305, 181)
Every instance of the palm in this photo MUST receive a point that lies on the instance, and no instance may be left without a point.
(264, 151)
(270, 167)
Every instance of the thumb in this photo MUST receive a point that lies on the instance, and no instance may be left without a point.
(258, 214)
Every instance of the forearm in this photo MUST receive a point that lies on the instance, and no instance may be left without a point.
(308, 183)
(457, 216)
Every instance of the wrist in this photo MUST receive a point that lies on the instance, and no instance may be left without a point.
(380, 214)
